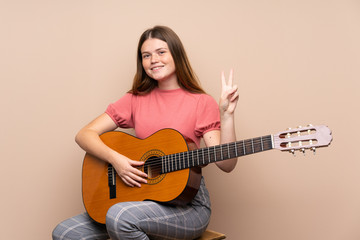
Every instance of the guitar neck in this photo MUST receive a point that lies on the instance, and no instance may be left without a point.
(203, 156)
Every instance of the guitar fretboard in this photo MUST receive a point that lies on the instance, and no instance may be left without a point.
(183, 160)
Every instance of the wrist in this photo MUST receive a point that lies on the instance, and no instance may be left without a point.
(112, 157)
(226, 116)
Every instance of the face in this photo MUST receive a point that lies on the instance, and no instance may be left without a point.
(158, 62)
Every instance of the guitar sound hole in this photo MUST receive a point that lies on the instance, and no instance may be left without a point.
(152, 167)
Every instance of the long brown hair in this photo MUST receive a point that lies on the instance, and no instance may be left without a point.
(187, 79)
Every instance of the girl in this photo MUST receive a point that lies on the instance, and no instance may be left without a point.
(165, 94)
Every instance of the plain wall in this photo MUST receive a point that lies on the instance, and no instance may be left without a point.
(295, 62)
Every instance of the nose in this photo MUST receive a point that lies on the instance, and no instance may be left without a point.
(154, 58)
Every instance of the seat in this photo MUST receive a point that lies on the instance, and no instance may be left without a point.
(211, 235)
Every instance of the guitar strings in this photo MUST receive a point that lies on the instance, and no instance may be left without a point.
(210, 152)
(176, 161)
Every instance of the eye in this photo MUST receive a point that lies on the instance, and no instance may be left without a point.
(146, 56)
(162, 51)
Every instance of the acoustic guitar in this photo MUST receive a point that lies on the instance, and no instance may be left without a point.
(173, 170)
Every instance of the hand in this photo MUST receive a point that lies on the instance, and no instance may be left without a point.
(229, 95)
(129, 174)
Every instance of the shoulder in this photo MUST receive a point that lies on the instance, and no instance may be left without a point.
(203, 102)
(206, 99)
(199, 96)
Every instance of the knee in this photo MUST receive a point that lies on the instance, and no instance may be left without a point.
(116, 220)
(56, 233)
(122, 221)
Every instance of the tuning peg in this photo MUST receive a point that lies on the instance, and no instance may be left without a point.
(314, 150)
(292, 151)
(309, 125)
(288, 135)
(298, 132)
(303, 151)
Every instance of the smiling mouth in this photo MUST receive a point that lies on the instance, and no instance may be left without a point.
(156, 68)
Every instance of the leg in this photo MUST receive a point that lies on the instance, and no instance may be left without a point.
(150, 220)
(80, 227)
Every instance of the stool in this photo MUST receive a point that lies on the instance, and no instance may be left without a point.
(211, 235)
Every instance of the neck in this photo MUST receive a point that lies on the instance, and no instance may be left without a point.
(203, 156)
(169, 84)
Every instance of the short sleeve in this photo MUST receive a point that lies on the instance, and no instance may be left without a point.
(121, 111)
(208, 115)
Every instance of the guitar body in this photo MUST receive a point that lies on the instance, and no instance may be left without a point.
(178, 187)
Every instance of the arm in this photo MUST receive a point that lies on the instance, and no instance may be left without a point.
(227, 105)
(89, 140)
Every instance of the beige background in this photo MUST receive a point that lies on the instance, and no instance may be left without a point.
(296, 62)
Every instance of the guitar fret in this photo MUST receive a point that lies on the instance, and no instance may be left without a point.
(252, 145)
(192, 158)
(209, 159)
(203, 156)
(197, 154)
(215, 153)
(174, 162)
(221, 154)
(170, 162)
(188, 159)
(228, 150)
(177, 161)
(182, 162)
(162, 164)
(236, 149)
(173, 159)
(244, 147)
(262, 145)
(167, 164)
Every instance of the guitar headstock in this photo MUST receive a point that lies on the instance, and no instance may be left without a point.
(302, 138)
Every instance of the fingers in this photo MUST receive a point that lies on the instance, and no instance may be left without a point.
(228, 90)
(223, 81)
(133, 180)
(233, 93)
(229, 94)
(130, 174)
(228, 84)
(135, 177)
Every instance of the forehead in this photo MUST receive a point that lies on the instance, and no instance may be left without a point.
(153, 44)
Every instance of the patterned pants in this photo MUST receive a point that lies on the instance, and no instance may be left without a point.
(141, 221)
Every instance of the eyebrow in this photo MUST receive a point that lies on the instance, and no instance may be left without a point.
(158, 49)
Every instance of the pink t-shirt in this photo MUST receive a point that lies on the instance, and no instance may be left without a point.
(190, 114)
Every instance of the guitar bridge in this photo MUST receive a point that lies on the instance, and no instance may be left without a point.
(112, 181)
